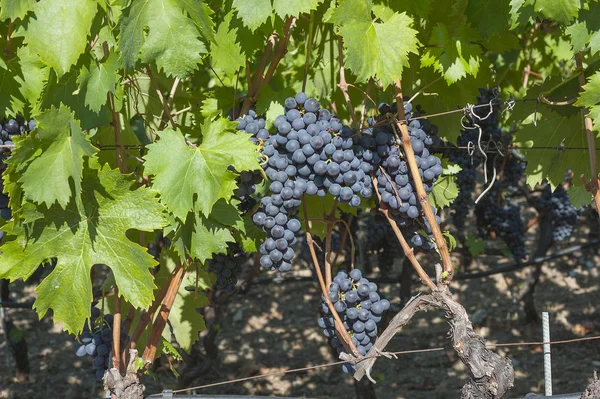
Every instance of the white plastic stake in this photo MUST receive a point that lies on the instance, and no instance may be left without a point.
(547, 354)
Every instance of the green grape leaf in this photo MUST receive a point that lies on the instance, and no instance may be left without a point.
(200, 172)
(294, 8)
(33, 77)
(444, 191)
(11, 101)
(561, 11)
(375, 49)
(488, 16)
(60, 151)
(201, 13)
(248, 235)
(13, 9)
(59, 31)
(169, 38)
(555, 134)
(458, 54)
(450, 240)
(89, 232)
(184, 321)
(591, 92)
(253, 13)
(99, 80)
(595, 116)
(579, 36)
(225, 52)
(66, 91)
(476, 245)
(201, 237)
(595, 42)
(579, 196)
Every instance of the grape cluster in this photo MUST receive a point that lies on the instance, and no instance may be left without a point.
(359, 306)
(247, 180)
(312, 153)
(97, 342)
(8, 130)
(503, 217)
(394, 179)
(227, 267)
(559, 209)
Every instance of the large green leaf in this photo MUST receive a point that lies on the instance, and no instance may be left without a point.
(374, 49)
(488, 16)
(253, 13)
(200, 172)
(158, 31)
(99, 80)
(89, 232)
(201, 13)
(561, 11)
(590, 98)
(225, 51)
(560, 143)
(58, 159)
(11, 100)
(13, 9)
(59, 31)
(294, 8)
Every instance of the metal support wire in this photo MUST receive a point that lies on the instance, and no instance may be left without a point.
(168, 394)
(576, 395)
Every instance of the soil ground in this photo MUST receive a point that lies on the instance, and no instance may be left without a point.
(273, 328)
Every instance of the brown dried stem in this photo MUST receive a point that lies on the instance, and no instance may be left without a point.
(163, 315)
(591, 140)
(116, 359)
(339, 326)
(422, 195)
(261, 78)
(408, 251)
(328, 265)
(343, 85)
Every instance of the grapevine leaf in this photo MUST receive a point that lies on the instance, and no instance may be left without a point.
(89, 232)
(59, 31)
(248, 235)
(375, 49)
(201, 237)
(521, 11)
(579, 36)
(184, 321)
(444, 192)
(34, 74)
(13, 9)
(488, 16)
(201, 14)
(60, 151)
(294, 8)
(11, 100)
(99, 80)
(595, 42)
(561, 11)
(253, 13)
(420, 9)
(450, 240)
(66, 91)
(200, 172)
(591, 92)
(555, 133)
(458, 54)
(595, 115)
(168, 38)
(225, 52)
(475, 244)
(579, 196)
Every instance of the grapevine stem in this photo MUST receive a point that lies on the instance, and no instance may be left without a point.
(330, 223)
(423, 200)
(343, 85)
(339, 326)
(346, 234)
(591, 142)
(428, 85)
(408, 251)
(166, 110)
(117, 332)
(311, 26)
(163, 315)
(260, 78)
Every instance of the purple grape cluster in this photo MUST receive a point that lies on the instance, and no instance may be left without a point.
(360, 308)
(227, 267)
(394, 179)
(557, 206)
(8, 130)
(97, 342)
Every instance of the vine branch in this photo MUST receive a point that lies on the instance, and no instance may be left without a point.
(343, 85)
(422, 195)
